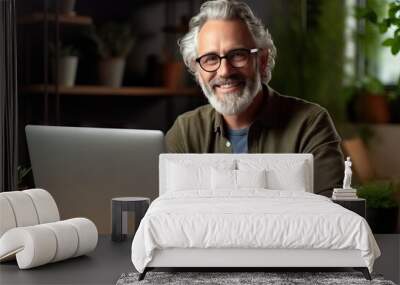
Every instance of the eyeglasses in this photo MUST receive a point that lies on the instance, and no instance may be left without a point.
(236, 58)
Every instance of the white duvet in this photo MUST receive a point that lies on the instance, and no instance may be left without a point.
(250, 219)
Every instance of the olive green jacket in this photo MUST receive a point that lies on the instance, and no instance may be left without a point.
(283, 125)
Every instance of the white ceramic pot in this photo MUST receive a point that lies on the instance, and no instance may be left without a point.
(67, 67)
(67, 7)
(111, 71)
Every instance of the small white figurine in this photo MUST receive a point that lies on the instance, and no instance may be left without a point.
(347, 174)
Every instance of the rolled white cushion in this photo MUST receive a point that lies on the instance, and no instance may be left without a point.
(67, 240)
(7, 218)
(33, 246)
(37, 245)
(87, 234)
(45, 205)
(23, 208)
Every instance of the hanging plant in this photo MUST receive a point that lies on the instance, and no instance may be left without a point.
(391, 21)
(112, 39)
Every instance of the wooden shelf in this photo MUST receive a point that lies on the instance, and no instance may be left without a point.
(94, 90)
(141, 3)
(64, 19)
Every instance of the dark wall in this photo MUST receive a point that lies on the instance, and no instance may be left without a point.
(151, 50)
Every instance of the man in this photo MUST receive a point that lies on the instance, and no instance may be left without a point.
(232, 55)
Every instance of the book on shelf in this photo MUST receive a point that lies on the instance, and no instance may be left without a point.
(344, 196)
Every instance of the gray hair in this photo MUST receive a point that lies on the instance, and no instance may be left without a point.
(223, 10)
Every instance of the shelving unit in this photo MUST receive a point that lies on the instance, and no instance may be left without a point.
(95, 90)
(63, 19)
(53, 102)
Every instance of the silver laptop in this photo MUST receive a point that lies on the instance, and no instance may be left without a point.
(84, 168)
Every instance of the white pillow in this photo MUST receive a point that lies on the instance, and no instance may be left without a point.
(188, 175)
(285, 174)
(223, 179)
(237, 179)
(251, 178)
(183, 178)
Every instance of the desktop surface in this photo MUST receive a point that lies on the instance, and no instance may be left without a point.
(102, 266)
(110, 259)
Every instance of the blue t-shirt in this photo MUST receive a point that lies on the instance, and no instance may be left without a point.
(238, 139)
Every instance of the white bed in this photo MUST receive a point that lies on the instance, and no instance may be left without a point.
(247, 210)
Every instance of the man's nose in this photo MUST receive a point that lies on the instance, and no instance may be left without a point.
(225, 69)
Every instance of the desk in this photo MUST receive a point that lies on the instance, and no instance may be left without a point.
(110, 259)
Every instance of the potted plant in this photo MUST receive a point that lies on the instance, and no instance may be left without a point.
(391, 21)
(382, 205)
(114, 41)
(67, 64)
(372, 103)
(371, 13)
(22, 172)
(395, 104)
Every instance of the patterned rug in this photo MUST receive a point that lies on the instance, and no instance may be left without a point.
(244, 278)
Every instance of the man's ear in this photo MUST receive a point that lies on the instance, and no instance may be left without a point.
(193, 66)
(263, 57)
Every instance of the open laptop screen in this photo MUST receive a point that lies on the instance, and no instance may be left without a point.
(84, 168)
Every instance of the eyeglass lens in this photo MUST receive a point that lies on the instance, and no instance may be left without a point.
(236, 58)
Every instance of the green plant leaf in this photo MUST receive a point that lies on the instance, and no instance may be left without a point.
(360, 12)
(388, 42)
(371, 16)
(383, 26)
(21, 173)
(366, 13)
(393, 9)
(379, 194)
(372, 84)
(395, 22)
(395, 47)
(113, 40)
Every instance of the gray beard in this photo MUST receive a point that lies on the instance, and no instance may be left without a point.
(236, 102)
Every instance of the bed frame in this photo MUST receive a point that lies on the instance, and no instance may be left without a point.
(250, 258)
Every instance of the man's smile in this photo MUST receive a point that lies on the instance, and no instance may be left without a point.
(229, 87)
